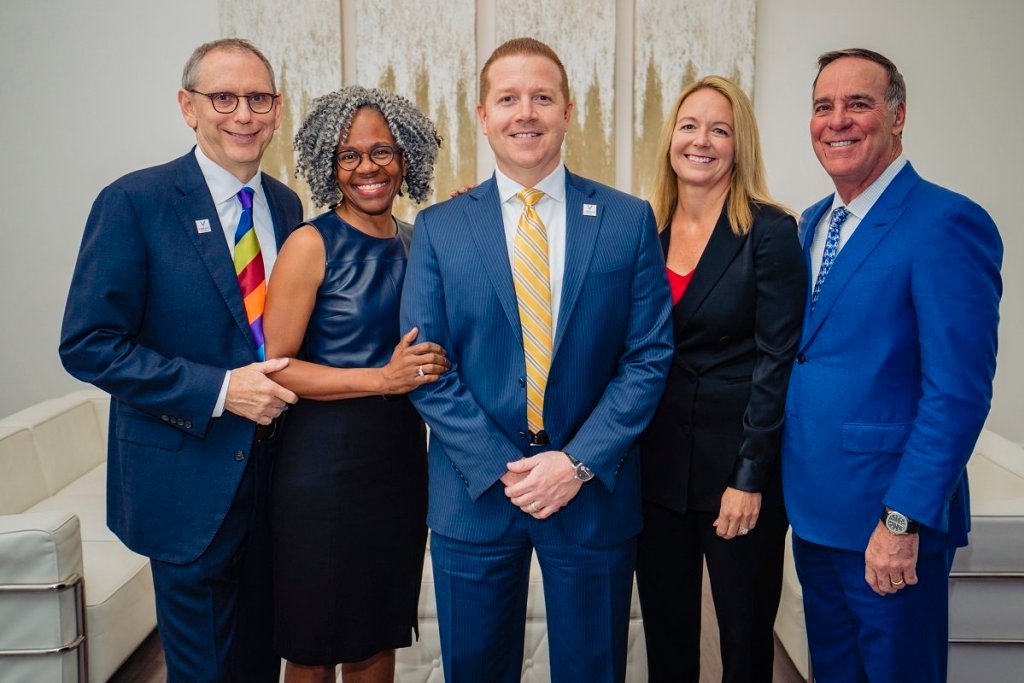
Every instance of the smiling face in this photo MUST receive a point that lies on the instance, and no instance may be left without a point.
(234, 141)
(702, 147)
(525, 116)
(369, 190)
(855, 133)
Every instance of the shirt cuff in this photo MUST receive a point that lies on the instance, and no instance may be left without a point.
(222, 398)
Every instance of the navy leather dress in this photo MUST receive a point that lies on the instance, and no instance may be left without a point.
(349, 491)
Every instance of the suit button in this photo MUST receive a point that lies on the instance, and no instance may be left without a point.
(181, 422)
(239, 456)
(524, 435)
(188, 424)
(724, 340)
(522, 381)
(165, 418)
(801, 358)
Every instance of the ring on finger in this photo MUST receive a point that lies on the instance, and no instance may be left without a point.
(534, 506)
(744, 531)
(898, 583)
(419, 371)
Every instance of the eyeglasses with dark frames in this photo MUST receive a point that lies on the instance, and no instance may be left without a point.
(227, 102)
(349, 159)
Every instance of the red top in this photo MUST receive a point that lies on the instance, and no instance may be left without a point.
(678, 283)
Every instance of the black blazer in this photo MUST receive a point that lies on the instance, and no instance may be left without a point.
(736, 331)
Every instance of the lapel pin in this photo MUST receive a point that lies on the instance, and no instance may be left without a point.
(202, 226)
(590, 209)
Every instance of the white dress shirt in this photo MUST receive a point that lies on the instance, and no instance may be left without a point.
(858, 208)
(224, 189)
(551, 210)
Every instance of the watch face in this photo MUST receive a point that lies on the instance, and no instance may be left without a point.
(583, 472)
(896, 523)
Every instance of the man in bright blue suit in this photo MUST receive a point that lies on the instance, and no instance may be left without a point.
(549, 293)
(156, 317)
(891, 386)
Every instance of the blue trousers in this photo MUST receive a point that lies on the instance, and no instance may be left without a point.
(215, 614)
(481, 591)
(856, 636)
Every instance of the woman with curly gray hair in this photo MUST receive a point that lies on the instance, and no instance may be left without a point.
(348, 499)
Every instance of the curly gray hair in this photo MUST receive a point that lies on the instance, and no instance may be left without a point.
(329, 121)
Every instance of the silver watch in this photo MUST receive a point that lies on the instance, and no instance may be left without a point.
(583, 473)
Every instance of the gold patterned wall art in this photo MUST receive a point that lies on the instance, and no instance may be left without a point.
(425, 50)
(675, 43)
(583, 35)
(302, 40)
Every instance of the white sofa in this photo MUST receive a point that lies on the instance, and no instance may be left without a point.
(52, 530)
(53, 527)
(986, 586)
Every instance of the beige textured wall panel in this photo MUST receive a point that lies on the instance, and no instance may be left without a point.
(676, 43)
(302, 40)
(583, 35)
(425, 50)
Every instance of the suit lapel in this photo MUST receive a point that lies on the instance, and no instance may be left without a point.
(581, 233)
(871, 231)
(195, 204)
(483, 216)
(720, 251)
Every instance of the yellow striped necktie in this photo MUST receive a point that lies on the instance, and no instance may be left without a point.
(533, 290)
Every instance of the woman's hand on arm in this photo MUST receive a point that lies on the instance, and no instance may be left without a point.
(412, 365)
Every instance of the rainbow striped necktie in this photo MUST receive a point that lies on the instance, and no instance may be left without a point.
(249, 269)
(532, 277)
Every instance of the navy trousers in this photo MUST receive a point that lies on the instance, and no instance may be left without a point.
(215, 614)
(481, 591)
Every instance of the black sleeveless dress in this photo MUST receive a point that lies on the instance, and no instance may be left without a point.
(349, 491)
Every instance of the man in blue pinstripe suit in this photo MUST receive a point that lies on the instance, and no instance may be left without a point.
(565, 480)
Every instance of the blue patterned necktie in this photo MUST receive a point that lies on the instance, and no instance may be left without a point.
(835, 224)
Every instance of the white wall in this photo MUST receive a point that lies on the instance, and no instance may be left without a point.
(88, 94)
(71, 71)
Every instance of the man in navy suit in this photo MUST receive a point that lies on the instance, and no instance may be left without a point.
(562, 480)
(155, 316)
(891, 386)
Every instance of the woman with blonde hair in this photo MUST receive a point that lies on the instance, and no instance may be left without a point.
(710, 469)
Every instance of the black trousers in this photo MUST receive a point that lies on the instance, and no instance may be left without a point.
(746, 582)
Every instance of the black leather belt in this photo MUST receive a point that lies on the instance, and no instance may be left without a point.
(539, 438)
(265, 432)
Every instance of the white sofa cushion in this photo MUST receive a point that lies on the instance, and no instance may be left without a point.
(21, 478)
(67, 438)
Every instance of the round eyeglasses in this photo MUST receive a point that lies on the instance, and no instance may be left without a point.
(349, 159)
(227, 102)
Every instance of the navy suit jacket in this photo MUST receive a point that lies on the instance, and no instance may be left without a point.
(155, 317)
(612, 348)
(893, 377)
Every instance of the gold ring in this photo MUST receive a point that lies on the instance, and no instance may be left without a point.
(898, 583)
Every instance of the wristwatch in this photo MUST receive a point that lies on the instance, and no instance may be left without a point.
(898, 523)
(583, 473)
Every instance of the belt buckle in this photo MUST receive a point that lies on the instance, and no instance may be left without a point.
(266, 432)
(539, 438)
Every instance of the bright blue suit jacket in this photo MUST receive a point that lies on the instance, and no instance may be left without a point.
(612, 349)
(893, 377)
(155, 317)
